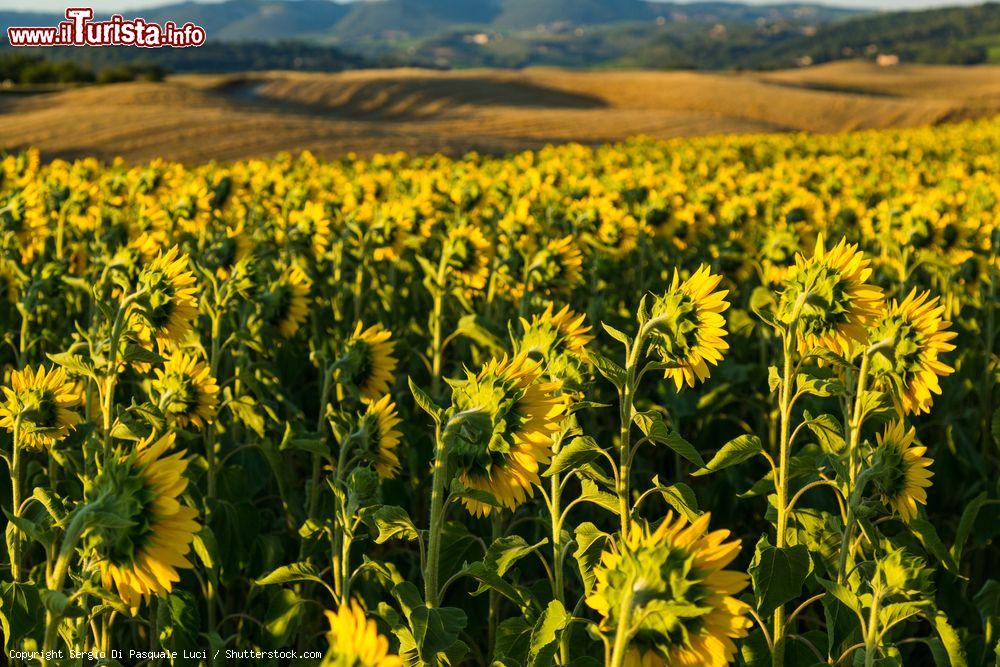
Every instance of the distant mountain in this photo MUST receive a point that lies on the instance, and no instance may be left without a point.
(571, 33)
(400, 20)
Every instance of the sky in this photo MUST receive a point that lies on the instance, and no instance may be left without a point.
(128, 5)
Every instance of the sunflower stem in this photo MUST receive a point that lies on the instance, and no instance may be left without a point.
(625, 437)
(872, 637)
(623, 631)
(15, 499)
(437, 512)
(58, 578)
(785, 402)
(857, 418)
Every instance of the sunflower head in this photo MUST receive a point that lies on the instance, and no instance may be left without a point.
(368, 362)
(469, 255)
(778, 253)
(355, 640)
(559, 340)
(675, 595)
(500, 429)
(285, 303)
(558, 267)
(188, 394)
(686, 327)
(378, 437)
(139, 552)
(917, 336)
(168, 306)
(43, 402)
(902, 475)
(829, 299)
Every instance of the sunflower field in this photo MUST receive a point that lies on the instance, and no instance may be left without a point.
(696, 402)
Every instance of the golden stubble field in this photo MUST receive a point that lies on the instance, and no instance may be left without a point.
(195, 118)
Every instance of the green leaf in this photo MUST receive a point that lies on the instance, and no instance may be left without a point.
(590, 542)
(778, 574)
(244, 408)
(618, 335)
(54, 601)
(819, 386)
(735, 451)
(435, 629)
(681, 497)
(393, 522)
(283, 617)
(489, 579)
(965, 524)
(288, 573)
(178, 620)
(928, 536)
(591, 494)
(578, 452)
(458, 491)
(505, 551)
(773, 378)
(424, 401)
(474, 328)
(950, 639)
(609, 369)
(513, 638)
(653, 427)
(827, 430)
(74, 363)
(545, 635)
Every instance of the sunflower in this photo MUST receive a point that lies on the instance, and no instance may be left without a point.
(919, 335)
(904, 477)
(687, 328)
(830, 298)
(308, 228)
(43, 401)
(501, 429)
(381, 436)
(139, 557)
(469, 255)
(188, 394)
(617, 234)
(780, 246)
(565, 330)
(168, 306)
(355, 640)
(368, 361)
(388, 233)
(680, 603)
(286, 301)
(558, 267)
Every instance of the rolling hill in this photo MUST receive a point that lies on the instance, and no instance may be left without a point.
(196, 118)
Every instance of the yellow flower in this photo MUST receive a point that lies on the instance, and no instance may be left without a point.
(355, 640)
(372, 364)
(558, 267)
(687, 327)
(168, 307)
(566, 330)
(286, 302)
(469, 256)
(43, 401)
(671, 583)
(501, 429)
(829, 297)
(188, 394)
(919, 335)
(140, 558)
(380, 421)
(905, 478)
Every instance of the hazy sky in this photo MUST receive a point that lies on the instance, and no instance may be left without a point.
(125, 5)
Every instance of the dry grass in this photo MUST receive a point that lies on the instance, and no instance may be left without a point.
(198, 118)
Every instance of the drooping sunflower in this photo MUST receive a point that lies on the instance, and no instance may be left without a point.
(565, 329)
(187, 392)
(140, 557)
(355, 640)
(680, 599)
(687, 328)
(381, 437)
(168, 307)
(911, 363)
(558, 267)
(469, 256)
(905, 477)
(501, 429)
(285, 303)
(830, 298)
(44, 402)
(370, 364)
